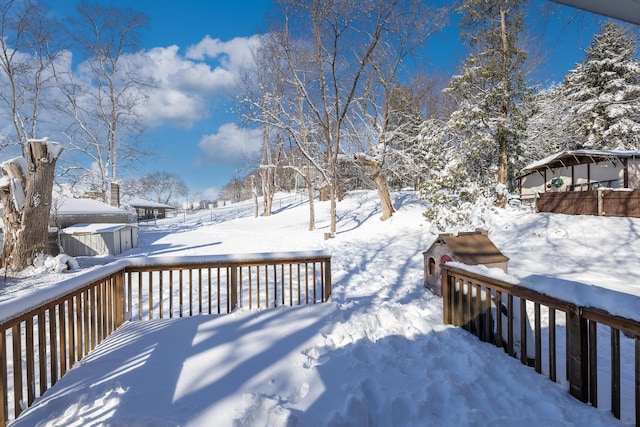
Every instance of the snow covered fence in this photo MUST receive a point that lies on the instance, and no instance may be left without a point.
(472, 299)
(39, 345)
(44, 334)
(207, 285)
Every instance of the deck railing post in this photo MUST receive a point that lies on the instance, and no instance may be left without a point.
(446, 297)
(233, 291)
(119, 299)
(577, 356)
(327, 279)
(4, 408)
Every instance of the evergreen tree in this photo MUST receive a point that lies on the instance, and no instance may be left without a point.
(491, 94)
(603, 93)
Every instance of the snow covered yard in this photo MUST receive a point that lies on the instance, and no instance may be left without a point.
(376, 354)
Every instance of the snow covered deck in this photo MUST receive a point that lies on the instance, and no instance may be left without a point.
(377, 352)
(287, 366)
(185, 371)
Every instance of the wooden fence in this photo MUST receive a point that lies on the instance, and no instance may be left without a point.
(478, 304)
(601, 202)
(39, 344)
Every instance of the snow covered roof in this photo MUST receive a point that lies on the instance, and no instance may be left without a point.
(577, 157)
(69, 206)
(143, 203)
(94, 228)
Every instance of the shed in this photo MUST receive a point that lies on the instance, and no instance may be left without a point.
(471, 248)
(98, 239)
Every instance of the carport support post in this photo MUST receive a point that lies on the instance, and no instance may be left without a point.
(577, 356)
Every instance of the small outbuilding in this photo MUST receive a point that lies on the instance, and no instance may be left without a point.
(471, 248)
(98, 239)
(147, 209)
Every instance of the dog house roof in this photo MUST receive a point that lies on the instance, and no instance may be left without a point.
(471, 248)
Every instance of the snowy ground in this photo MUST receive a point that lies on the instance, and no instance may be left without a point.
(377, 354)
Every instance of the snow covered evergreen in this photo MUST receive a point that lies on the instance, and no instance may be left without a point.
(603, 92)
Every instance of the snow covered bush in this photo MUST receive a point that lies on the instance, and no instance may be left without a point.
(57, 264)
(455, 202)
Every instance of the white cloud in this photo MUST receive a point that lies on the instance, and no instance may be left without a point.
(186, 84)
(231, 144)
(232, 55)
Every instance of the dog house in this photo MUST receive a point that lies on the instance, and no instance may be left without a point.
(471, 248)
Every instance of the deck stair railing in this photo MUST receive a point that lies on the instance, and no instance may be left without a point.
(43, 335)
(491, 308)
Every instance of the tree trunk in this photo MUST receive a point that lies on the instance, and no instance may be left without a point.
(333, 210)
(267, 190)
(503, 157)
(312, 211)
(254, 193)
(26, 226)
(385, 196)
(381, 185)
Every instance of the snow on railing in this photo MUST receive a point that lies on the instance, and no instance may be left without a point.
(44, 334)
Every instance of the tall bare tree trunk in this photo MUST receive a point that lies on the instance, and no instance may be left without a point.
(502, 137)
(312, 209)
(27, 204)
(267, 173)
(254, 193)
(266, 176)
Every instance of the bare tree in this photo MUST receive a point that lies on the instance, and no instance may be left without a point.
(269, 91)
(378, 121)
(163, 187)
(235, 191)
(326, 47)
(104, 111)
(26, 72)
(26, 66)
(278, 106)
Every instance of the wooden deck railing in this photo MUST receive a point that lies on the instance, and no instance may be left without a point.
(44, 334)
(473, 302)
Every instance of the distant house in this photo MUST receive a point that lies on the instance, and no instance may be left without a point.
(69, 211)
(471, 248)
(147, 209)
(580, 170)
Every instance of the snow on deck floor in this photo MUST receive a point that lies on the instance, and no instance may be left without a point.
(290, 366)
(377, 354)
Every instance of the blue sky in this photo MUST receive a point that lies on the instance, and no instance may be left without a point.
(195, 49)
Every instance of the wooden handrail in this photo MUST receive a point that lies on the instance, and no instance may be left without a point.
(473, 301)
(54, 329)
